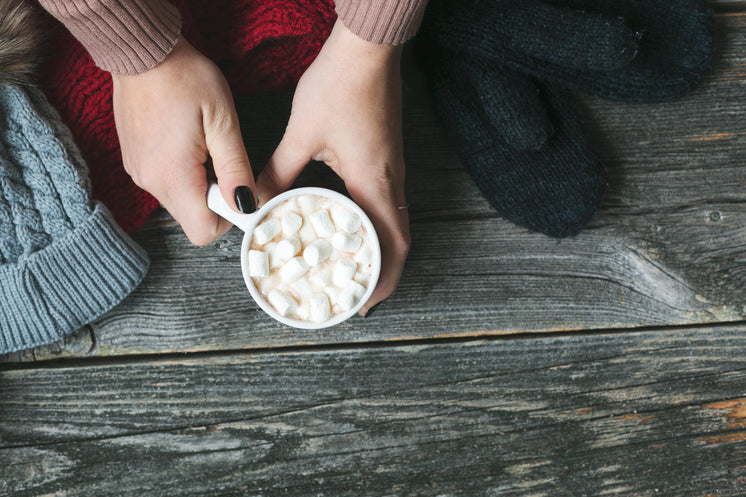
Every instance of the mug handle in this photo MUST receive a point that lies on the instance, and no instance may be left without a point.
(218, 205)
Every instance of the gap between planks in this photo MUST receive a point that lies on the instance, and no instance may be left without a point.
(96, 361)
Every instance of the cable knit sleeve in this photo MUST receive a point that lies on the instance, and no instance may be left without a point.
(122, 36)
(385, 22)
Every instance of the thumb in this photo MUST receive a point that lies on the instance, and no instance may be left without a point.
(286, 163)
(511, 101)
(231, 163)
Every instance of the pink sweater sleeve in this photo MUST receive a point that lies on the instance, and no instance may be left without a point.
(132, 36)
(122, 36)
(385, 22)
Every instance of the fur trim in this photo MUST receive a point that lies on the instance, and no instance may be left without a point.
(19, 41)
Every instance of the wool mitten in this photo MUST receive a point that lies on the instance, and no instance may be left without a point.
(537, 170)
(624, 50)
(64, 261)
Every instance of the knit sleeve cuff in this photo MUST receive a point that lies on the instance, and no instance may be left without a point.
(122, 36)
(69, 283)
(385, 22)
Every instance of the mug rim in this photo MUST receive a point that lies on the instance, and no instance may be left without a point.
(375, 246)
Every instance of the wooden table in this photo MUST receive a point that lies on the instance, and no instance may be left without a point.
(506, 363)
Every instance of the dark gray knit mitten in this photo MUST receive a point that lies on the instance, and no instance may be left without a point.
(627, 50)
(496, 68)
(63, 259)
(521, 143)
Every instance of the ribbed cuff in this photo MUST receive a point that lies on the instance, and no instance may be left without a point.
(122, 36)
(69, 283)
(385, 22)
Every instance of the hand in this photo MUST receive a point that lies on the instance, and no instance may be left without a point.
(169, 120)
(347, 113)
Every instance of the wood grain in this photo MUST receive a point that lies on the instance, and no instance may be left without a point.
(655, 413)
(727, 5)
(666, 248)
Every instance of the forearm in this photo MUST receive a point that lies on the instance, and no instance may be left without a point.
(122, 36)
(383, 22)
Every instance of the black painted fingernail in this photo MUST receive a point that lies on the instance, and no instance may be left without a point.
(244, 199)
(370, 311)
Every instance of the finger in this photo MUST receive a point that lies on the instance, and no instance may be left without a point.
(380, 197)
(286, 163)
(184, 195)
(230, 161)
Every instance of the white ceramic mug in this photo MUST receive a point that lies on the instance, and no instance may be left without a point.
(247, 223)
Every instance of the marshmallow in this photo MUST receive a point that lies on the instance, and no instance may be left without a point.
(258, 264)
(320, 276)
(289, 205)
(288, 248)
(320, 309)
(346, 242)
(345, 219)
(333, 293)
(282, 302)
(267, 231)
(302, 288)
(344, 270)
(362, 277)
(307, 203)
(350, 295)
(364, 255)
(274, 258)
(306, 232)
(322, 223)
(317, 252)
(291, 223)
(269, 283)
(293, 269)
(304, 311)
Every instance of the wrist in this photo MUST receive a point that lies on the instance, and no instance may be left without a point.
(175, 63)
(362, 53)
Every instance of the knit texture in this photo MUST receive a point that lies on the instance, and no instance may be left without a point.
(385, 22)
(519, 138)
(537, 171)
(122, 36)
(631, 50)
(63, 260)
(261, 45)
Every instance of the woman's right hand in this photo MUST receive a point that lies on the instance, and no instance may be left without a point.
(170, 119)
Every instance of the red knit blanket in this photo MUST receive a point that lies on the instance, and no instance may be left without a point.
(261, 45)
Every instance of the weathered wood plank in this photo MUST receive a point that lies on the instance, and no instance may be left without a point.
(726, 5)
(666, 248)
(656, 413)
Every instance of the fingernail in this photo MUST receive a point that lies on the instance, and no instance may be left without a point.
(244, 199)
(370, 311)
